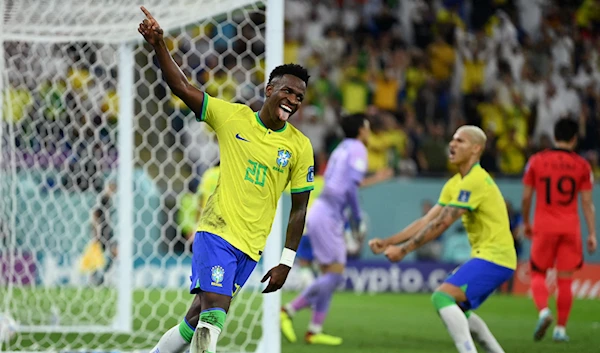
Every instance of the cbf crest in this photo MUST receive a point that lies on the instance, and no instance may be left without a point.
(283, 158)
(216, 275)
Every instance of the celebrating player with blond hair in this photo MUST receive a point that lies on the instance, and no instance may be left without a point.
(473, 195)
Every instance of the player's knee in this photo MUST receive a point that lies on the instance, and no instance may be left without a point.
(214, 300)
(441, 300)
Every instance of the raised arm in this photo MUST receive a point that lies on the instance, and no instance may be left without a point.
(175, 78)
(589, 213)
(379, 245)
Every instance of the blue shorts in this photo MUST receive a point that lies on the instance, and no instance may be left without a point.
(305, 251)
(217, 266)
(478, 278)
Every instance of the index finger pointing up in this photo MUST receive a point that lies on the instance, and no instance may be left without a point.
(147, 13)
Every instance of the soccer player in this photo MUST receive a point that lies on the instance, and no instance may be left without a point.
(473, 195)
(325, 228)
(558, 176)
(260, 154)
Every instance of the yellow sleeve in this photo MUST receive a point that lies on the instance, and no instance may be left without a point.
(445, 195)
(303, 171)
(469, 193)
(216, 112)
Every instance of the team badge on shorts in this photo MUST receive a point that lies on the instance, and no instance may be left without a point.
(216, 275)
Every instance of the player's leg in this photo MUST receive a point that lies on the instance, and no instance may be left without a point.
(464, 290)
(178, 338)
(445, 300)
(218, 271)
(223, 272)
(569, 258)
(328, 249)
(482, 334)
(325, 285)
(211, 321)
(543, 254)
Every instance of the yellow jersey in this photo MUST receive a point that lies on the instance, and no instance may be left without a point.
(257, 163)
(487, 223)
(208, 185)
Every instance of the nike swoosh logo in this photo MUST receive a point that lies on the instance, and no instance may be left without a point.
(237, 136)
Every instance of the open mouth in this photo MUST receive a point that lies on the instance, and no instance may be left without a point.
(284, 112)
(286, 108)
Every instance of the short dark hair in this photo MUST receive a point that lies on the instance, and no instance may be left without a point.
(290, 69)
(351, 124)
(565, 129)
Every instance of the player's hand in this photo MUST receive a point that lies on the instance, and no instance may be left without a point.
(377, 245)
(150, 29)
(592, 243)
(527, 230)
(277, 275)
(395, 253)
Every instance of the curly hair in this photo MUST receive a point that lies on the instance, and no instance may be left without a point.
(289, 69)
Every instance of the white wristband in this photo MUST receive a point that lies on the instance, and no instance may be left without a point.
(287, 257)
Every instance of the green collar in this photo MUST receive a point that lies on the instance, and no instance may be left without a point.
(473, 166)
(263, 125)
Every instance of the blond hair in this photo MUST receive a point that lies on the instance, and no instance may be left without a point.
(476, 135)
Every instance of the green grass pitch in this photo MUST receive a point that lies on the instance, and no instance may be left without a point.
(379, 323)
(387, 323)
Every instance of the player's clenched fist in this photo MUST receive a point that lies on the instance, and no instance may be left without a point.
(377, 245)
(150, 29)
(395, 253)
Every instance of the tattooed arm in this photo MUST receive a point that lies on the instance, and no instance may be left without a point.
(432, 230)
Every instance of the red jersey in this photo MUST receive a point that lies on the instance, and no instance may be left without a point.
(557, 176)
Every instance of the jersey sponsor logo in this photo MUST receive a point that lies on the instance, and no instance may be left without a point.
(216, 275)
(310, 175)
(464, 195)
(283, 157)
(237, 136)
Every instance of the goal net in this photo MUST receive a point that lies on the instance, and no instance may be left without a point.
(99, 166)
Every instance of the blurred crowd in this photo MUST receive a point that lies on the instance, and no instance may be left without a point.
(421, 68)
(417, 68)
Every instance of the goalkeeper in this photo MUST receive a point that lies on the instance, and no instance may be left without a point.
(260, 154)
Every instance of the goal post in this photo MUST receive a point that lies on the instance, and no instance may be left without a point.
(83, 110)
